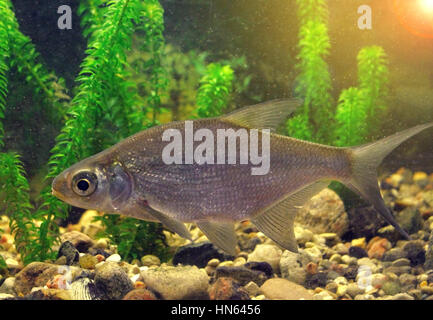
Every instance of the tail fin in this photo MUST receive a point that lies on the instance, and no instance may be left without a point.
(366, 159)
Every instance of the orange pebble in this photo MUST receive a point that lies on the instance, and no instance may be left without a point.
(311, 268)
(100, 257)
(139, 284)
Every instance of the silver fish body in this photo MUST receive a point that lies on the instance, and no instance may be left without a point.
(131, 178)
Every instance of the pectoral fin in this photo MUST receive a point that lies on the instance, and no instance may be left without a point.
(221, 234)
(170, 223)
(276, 222)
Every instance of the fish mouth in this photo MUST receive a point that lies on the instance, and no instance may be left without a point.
(57, 194)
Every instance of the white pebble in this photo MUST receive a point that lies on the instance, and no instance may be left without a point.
(340, 281)
(135, 277)
(114, 258)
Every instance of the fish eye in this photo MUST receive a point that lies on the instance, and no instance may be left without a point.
(84, 183)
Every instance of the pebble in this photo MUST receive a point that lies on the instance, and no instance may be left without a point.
(340, 280)
(332, 287)
(378, 248)
(364, 221)
(415, 251)
(314, 254)
(210, 270)
(4, 296)
(402, 262)
(139, 294)
(252, 288)
(427, 290)
(80, 241)
(368, 263)
(241, 274)
(8, 286)
(150, 260)
(267, 253)
(227, 289)
(227, 263)
(353, 290)
(291, 267)
(402, 296)
(428, 265)
(112, 280)
(349, 260)
(394, 254)
(239, 261)
(213, 263)
(341, 249)
(407, 281)
(323, 295)
(319, 279)
(37, 274)
(282, 289)
(88, 261)
(335, 258)
(12, 263)
(341, 290)
(114, 258)
(102, 243)
(360, 242)
(181, 282)
(303, 235)
(68, 250)
(198, 254)
(357, 252)
(391, 287)
(324, 213)
(409, 219)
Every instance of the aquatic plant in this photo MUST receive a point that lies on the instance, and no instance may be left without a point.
(104, 101)
(373, 79)
(3, 264)
(360, 109)
(91, 14)
(351, 129)
(133, 237)
(4, 54)
(14, 185)
(313, 83)
(214, 92)
(184, 71)
(26, 59)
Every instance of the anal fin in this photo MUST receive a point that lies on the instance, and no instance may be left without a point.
(221, 234)
(276, 222)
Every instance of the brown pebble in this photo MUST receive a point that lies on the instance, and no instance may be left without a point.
(139, 294)
(311, 268)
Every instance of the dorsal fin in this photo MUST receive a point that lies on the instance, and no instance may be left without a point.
(220, 234)
(267, 115)
(276, 222)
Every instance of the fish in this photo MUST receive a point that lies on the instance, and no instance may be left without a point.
(131, 178)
